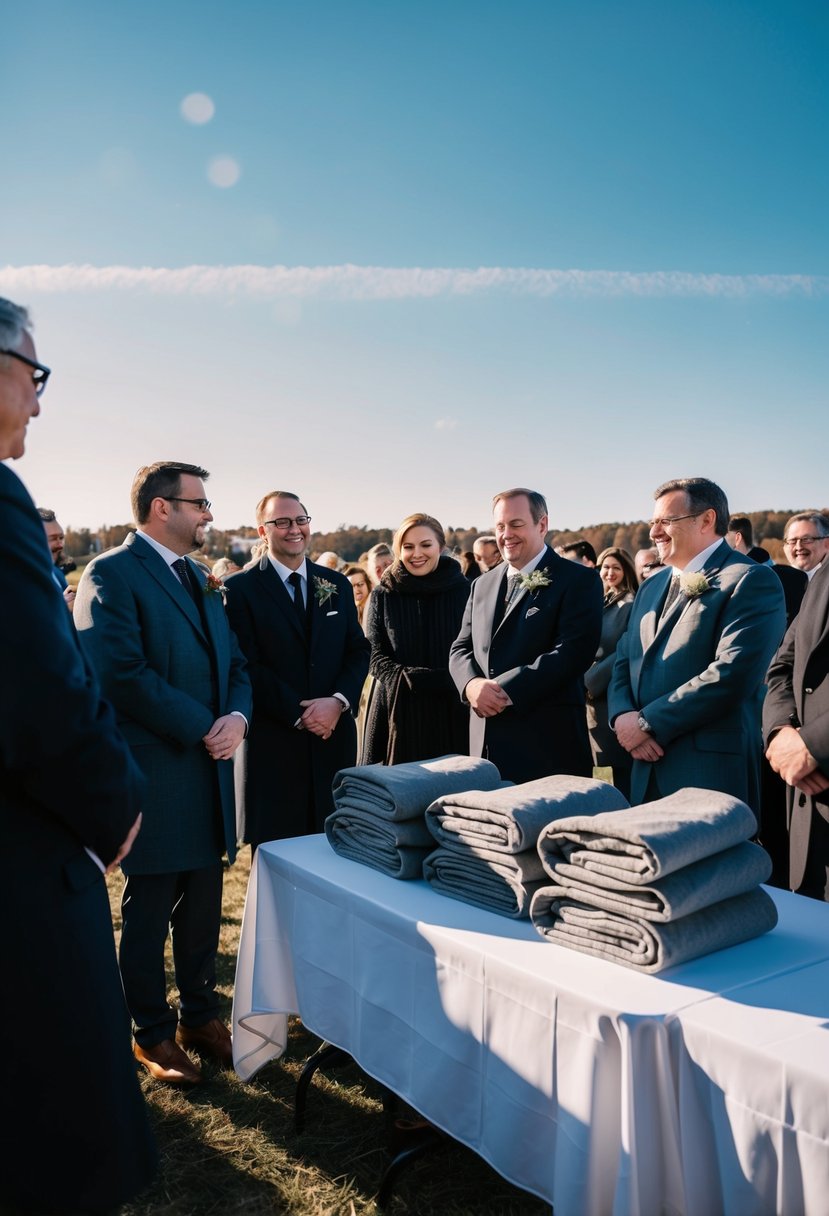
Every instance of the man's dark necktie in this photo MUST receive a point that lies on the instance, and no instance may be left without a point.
(673, 592)
(295, 579)
(180, 567)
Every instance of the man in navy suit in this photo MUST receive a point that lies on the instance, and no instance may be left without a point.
(530, 631)
(686, 693)
(308, 657)
(156, 631)
(76, 1132)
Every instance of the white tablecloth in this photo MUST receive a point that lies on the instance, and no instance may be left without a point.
(600, 1090)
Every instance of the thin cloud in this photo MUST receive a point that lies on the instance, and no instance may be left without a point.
(404, 283)
(446, 424)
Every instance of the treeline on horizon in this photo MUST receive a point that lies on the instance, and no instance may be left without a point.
(350, 541)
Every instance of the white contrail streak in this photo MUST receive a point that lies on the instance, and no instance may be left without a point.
(400, 283)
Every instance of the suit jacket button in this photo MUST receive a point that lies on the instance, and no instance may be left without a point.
(485, 647)
(807, 690)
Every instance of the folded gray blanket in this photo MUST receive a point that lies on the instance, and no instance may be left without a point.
(644, 945)
(705, 882)
(500, 882)
(403, 791)
(647, 842)
(393, 847)
(509, 819)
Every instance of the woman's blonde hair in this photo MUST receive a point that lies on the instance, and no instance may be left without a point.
(418, 520)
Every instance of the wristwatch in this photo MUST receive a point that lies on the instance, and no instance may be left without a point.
(644, 725)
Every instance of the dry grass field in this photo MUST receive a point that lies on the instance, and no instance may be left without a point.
(229, 1146)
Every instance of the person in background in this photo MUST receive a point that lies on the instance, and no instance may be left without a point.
(55, 539)
(378, 559)
(469, 566)
(580, 551)
(413, 618)
(77, 1136)
(487, 553)
(329, 559)
(646, 562)
(806, 540)
(225, 567)
(361, 586)
(620, 583)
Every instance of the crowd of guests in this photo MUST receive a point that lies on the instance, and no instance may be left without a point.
(182, 695)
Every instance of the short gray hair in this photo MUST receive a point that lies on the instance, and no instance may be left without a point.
(817, 519)
(702, 495)
(14, 321)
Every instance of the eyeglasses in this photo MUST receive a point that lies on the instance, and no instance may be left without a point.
(40, 373)
(803, 540)
(284, 522)
(204, 504)
(668, 521)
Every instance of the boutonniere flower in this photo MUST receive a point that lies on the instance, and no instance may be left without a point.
(214, 586)
(693, 585)
(324, 590)
(534, 582)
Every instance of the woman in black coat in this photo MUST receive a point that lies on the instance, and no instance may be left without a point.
(620, 583)
(414, 616)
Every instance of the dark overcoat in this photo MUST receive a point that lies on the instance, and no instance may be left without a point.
(538, 653)
(76, 1132)
(289, 772)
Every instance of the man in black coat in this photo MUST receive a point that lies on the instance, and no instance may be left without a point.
(77, 1136)
(796, 729)
(530, 632)
(307, 658)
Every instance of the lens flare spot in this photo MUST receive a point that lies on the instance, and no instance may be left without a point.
(224, 171)
(197, 108)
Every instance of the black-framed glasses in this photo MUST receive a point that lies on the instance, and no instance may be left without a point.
(40, 372)
(803, 540)
(204, 504)
(667, 520)
(284, 522)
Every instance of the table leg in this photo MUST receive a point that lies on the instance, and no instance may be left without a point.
(326, 1055)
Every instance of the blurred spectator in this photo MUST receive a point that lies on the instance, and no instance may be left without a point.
(329, 559)
(806, 539)
(224, 567)
(60, 566)
(361, 586)
(378, 559)
(645, 563)
(620, 583)
(469, 566)
(740, 536)
(580, 551)
(487, 554)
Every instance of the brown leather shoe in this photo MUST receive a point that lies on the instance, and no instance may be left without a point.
(212, 1039)
(167, 1062)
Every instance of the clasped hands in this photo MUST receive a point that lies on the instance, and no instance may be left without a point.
(487, 697)
(789, 756)
(633, 739)
(224, 736)
(321, 715)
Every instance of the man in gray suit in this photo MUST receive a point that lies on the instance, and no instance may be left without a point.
(686, 692)
(157, 633)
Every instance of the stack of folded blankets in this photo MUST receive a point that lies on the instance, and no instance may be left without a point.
(487, 840)
(379, 812)
(655, 885)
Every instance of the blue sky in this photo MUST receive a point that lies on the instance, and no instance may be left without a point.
(576, 245)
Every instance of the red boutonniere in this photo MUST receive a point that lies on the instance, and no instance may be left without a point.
(214, 586)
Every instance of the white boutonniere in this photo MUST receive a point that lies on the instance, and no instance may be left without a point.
(324, 590)
(693, 585)
(533, 582)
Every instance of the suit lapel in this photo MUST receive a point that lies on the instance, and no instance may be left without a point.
(545, 565)
(281, 596)
(166, 579)
(492, 590)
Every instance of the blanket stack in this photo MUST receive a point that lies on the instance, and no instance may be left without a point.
(655, 885)
(379, 809)
(487, 840)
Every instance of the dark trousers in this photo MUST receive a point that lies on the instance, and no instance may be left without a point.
(188, 906)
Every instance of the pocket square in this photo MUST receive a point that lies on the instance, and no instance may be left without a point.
(530, 611)
(334, 613)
